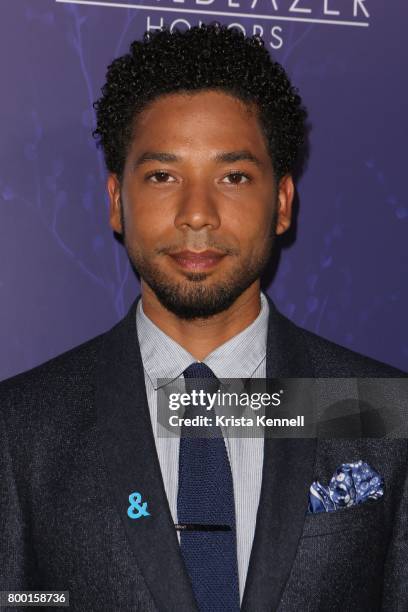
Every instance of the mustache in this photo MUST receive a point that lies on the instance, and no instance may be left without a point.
(196, 244)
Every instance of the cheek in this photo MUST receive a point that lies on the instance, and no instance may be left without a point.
(251, 225)
(147, 214)
(146, 223)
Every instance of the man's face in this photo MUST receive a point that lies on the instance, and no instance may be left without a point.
(198, 204)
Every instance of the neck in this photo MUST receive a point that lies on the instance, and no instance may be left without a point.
(201, 336)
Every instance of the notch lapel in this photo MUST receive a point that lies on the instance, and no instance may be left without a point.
(132, 464)
(288, 471)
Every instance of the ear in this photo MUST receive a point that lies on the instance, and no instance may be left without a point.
(286, 192)
(113, 187)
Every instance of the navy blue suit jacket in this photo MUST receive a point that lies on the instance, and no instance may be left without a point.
(76, 440)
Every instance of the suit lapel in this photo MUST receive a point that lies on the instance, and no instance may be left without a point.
(288, 471)
(132, 464)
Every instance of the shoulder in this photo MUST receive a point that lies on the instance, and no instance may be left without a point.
(61, 391)
(71, 371)
(52, 388)
(74, 362)
(329, 359)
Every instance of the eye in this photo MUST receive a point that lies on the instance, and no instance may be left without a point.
(160, 177)
(236, 178)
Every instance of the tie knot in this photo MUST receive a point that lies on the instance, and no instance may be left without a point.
(199, 376)
(198, 370)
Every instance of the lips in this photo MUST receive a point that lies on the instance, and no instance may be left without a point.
(197, 261)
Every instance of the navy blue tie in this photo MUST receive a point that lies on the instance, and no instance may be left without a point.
(205, 506)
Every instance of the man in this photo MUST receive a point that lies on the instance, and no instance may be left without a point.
(201, 132)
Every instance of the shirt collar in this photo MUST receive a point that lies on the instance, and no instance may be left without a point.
(239, 357)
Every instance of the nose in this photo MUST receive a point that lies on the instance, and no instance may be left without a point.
(197, 208)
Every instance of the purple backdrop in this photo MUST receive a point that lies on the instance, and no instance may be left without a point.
(64, 278)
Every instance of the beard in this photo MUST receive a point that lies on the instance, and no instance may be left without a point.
(196, 297)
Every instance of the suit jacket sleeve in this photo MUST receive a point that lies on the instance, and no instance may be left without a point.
(395, 593)
(16, 572)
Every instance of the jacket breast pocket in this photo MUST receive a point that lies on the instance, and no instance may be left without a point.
(339, 563)
(368, 515)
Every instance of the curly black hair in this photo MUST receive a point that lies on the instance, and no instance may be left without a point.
(208, 56)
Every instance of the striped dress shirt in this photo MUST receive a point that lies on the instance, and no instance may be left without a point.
(243, 356)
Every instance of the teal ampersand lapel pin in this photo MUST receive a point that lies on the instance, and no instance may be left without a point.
(136, 509)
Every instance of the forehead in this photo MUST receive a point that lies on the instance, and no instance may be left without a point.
(202, 119)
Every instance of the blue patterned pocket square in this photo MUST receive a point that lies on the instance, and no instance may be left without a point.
(351, 484)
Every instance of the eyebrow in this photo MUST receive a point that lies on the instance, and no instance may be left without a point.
(224, 157)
